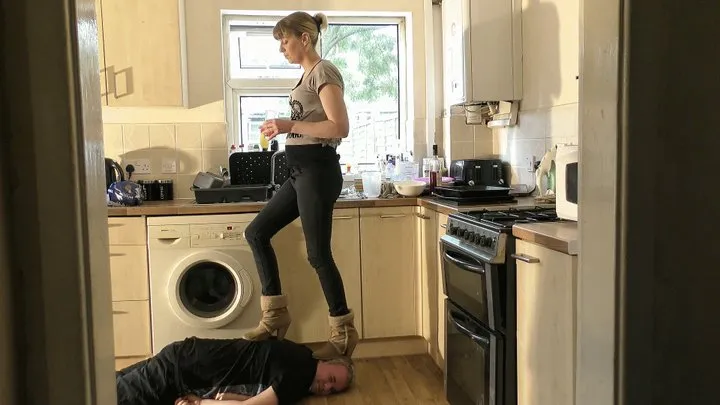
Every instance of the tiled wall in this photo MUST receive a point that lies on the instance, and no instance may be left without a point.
(193, 146)
(549, 107)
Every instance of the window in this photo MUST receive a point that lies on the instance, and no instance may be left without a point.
(369, 51)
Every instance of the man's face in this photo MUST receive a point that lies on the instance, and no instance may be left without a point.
(329, 379)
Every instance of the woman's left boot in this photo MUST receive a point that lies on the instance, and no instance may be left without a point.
(343, 338)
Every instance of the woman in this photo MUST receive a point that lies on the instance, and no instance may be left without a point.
(318, 123)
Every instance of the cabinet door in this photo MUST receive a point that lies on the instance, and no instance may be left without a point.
(426, 240)
(545, 325)
(308, 307)
(388, 272)
(440, 302)
(142, 52)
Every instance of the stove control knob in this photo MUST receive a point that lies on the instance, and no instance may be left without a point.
(482, 240)
(476, 238)
(469, 235)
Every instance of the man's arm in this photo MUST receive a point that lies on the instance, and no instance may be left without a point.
(267, 397)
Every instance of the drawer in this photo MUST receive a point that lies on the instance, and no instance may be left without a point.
(126, 231)
(122, 362)
(129, 273)
(131, 325)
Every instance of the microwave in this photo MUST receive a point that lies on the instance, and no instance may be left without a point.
(566, 182)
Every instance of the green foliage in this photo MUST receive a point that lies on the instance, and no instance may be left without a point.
(375, 54)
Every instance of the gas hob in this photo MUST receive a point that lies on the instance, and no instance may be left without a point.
(484, 233)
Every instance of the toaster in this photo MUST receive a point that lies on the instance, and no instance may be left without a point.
(478, 172)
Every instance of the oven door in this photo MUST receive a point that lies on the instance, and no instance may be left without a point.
(473, 361)
(472, 284)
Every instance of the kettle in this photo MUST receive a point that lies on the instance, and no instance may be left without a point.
(546, 171)
(113, 172)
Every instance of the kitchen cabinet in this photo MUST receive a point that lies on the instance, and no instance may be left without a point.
(139, 52)
(546, 326)
(426, 240)
(387, 251)
(300, 283)
(130, 290)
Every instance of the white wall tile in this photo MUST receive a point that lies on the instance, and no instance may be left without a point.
(562, 124)
(162, 135)
(213, 136)
(136, 137)
(188, 136)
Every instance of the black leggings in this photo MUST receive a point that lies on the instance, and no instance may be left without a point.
(311, 191)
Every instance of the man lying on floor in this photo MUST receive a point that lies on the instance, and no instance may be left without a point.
(269, 372)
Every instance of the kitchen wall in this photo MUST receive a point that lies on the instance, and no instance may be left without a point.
(196, 136)
(549, 107)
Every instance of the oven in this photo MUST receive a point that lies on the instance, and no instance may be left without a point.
(473, 361)
(473, 284)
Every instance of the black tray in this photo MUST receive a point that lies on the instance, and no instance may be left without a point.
(471, 191)
(231, 194)
(461, 201)
(248, 168)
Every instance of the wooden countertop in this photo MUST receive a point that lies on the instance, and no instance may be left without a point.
(560, 236)
(189, 207)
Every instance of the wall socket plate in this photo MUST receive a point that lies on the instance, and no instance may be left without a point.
(142, 166)
(169, 166)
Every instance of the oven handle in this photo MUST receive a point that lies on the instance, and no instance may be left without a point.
(464, 264)
(477, 339)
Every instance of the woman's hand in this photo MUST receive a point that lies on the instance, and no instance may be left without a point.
(271, 128)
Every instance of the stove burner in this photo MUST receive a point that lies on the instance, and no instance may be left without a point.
(513, 216)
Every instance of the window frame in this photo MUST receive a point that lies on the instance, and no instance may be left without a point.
(235, 88)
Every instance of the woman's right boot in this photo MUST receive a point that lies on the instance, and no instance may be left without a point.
(275, 318)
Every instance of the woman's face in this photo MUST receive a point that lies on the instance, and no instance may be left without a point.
(293, 48)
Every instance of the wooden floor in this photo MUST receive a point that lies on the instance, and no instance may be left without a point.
(391, 380)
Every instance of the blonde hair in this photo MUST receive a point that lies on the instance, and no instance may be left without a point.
(299, 23)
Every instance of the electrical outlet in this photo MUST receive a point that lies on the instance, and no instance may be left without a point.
(168, 166)
(142, 166)
(530, 164)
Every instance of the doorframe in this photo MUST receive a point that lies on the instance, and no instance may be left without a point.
(55, 211)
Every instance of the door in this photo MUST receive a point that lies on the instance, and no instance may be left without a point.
(546, 325)
(474, 361)
(388, 272)
(472, 285)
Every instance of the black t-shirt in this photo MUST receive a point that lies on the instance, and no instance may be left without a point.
(209, 366)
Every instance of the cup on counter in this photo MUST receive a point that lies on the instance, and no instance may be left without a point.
(372, 183)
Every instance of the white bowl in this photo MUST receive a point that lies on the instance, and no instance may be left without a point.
(410, 188)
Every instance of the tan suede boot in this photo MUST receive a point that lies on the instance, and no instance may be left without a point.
(343, 338)
(275, 318)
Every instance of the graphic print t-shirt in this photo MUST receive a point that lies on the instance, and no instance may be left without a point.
(212, 366)
(305, 104)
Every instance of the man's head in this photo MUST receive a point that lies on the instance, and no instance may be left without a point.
(333, 376)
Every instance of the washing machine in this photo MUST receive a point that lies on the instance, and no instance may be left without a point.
(203, 279)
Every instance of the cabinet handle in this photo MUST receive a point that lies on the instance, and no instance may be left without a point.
(443, 226)
(117, 254)
(421, 216)
(119, 312)
(525, 258)
(343, 217)
(393, 216)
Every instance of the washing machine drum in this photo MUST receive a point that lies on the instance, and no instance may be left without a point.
(209, 289)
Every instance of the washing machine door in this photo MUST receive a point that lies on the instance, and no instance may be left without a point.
(209, 289)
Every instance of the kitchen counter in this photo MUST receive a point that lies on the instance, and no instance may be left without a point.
(560, 236)
(189, 207)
